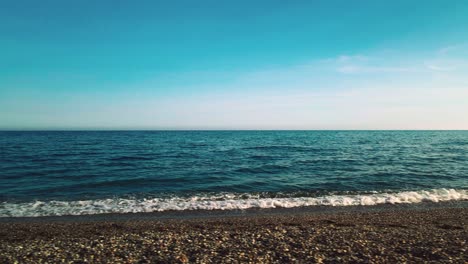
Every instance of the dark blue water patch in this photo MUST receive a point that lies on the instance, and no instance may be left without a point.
(260, 157)
(130, 158)
(56, 164)
(266, 168)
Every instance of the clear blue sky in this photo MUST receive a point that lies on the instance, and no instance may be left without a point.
(233, 64)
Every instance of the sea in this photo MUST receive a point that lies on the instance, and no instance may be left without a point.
(58, 173)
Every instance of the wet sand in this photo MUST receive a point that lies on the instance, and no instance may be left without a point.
(437, 235)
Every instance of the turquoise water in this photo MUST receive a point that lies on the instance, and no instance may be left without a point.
(66, 172)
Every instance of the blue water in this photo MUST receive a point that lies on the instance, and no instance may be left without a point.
(115, 170)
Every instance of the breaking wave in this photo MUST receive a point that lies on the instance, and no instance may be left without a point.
(225, 201)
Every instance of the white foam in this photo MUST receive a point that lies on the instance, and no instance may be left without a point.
(220, 202)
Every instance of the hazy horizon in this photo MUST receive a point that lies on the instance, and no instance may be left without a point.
(209, 65)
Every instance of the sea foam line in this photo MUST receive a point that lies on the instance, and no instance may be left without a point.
(227, 202)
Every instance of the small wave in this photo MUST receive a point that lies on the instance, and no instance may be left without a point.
(270, 168)
(130, 158)
(220, 202)
(283, 147)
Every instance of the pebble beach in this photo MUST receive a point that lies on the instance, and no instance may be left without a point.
(435, 235)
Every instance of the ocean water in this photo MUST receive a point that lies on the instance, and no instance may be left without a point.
(92, 172)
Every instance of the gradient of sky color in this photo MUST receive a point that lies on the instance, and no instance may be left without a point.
(108, 64)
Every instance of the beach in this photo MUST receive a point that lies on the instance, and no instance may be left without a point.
(388, 235)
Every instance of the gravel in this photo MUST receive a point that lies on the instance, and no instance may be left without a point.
(431, 236)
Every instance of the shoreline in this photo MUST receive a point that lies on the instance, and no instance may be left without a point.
(428, 232)
(251, 212)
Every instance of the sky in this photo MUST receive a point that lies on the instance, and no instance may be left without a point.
(110, 64)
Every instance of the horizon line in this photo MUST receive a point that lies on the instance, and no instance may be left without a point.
(208, 129)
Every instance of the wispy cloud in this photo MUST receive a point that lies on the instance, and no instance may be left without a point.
(446, 59)
(351, 58)
(449, 59)
(435, 67)
(446, 50)
(362, 64)
(372, 69)
(453, 48)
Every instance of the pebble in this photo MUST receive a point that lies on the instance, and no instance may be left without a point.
(374, 237)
